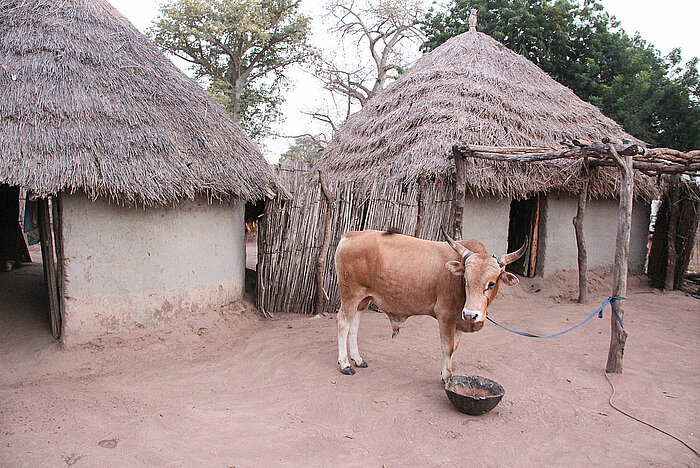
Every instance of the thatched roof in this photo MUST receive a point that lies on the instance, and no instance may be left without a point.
(472, 90)
(89, 103)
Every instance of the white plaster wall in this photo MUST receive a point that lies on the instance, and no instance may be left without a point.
(558, 241)
(136, 267)
(486, 219)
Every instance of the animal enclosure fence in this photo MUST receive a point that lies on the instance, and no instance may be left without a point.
(291, 230)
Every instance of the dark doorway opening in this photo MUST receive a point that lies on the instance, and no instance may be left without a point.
(15, 254)
(524, 221)
(13, 248)
(253, 212)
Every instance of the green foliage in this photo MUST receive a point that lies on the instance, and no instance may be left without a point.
(305, 148)
(240, 48)
(580, 45)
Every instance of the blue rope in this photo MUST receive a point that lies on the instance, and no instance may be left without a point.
(598, 312)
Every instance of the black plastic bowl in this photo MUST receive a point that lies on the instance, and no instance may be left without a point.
(473, 394)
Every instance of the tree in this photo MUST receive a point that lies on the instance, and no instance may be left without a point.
(584, 48)
(374, 37)
(382, 26)
(305, 148)
(240, 48)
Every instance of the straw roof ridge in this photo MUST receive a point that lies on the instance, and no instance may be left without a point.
(89, 103)
(472, 90)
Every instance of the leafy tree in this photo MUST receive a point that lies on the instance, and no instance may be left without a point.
(305, 148)
(240, 48)
(580, 45)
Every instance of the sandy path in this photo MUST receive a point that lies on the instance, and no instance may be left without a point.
(245, 392)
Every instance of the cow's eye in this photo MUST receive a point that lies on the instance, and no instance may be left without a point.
(490, 285)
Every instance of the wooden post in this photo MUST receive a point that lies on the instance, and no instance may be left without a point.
(618, 335)
(49, 262)
(321, 262)
(581, 240)
(57, 215)
(419, 215)
(673, 197)
(460, 192)
(688, 222)
(535, 237)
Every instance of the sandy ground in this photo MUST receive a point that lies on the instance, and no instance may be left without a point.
(232, 389)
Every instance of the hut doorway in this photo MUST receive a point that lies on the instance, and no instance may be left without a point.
(253, 212)
(524, 220)
(14, 252)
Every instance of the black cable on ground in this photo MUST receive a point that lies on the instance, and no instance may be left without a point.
(644, 422)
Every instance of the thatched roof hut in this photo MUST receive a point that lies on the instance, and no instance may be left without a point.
(89, 103)
(472, 90)
(142, 176)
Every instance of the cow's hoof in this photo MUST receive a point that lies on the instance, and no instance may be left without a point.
(363, 364)
(347, 371)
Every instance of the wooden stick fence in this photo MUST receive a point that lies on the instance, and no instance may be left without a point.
(291, 232)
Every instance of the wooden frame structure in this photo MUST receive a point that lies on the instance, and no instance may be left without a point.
(627, 157)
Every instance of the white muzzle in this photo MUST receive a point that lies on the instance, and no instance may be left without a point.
(472, 315)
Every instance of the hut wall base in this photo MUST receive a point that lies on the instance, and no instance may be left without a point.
(135, 268)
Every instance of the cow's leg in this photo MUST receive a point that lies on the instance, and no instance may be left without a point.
(458, 337)
(345, 317)
(352, 340)
(447, 344)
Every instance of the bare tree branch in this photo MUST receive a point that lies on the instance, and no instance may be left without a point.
(383, 25)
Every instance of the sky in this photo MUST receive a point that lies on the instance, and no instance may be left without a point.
(666, 25)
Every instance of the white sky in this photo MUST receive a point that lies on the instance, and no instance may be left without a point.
(668, 24)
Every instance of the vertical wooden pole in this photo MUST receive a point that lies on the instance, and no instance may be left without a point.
(688, 222)
(460, 192)
(673, 197)
(47, 253)
(535, 236)
(581, 240)
(618, 335)
(57, 215)
(421, 207)
(321, 262)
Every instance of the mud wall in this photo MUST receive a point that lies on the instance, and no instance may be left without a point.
(486, 219)
(136, 267)
(558, 242)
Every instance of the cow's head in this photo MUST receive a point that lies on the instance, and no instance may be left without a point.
(482, 275)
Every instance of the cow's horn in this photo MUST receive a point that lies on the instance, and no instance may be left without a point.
(513, 256)
(459, 248)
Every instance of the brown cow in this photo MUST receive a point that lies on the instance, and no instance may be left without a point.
(452, 281)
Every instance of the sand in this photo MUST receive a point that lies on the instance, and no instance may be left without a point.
(232, 389)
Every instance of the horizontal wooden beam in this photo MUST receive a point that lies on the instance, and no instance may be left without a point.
(654, 160)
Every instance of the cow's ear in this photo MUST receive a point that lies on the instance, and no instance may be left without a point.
(509, 278)
(455, 267)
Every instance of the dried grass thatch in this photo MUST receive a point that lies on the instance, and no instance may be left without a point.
(89, 103)
(473, 90)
